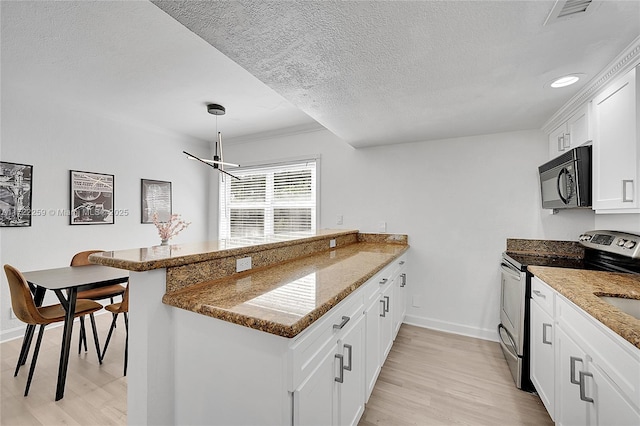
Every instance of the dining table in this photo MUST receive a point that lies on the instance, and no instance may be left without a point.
(65, 282)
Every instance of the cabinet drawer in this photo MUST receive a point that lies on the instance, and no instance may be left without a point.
(542, 294)
(309, 347)
(614, 356)
(371, 290)
(398, 265)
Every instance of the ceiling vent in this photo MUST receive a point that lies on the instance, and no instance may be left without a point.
(567, 9)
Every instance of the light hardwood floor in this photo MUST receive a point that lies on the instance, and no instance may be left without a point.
(436, 378)
(429, 378)
(94, 394)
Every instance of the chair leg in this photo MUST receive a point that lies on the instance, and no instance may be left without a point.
(126, 342)
(26, 344)
(34, 360)
(83, 336)
(106, 343)
(95, 337)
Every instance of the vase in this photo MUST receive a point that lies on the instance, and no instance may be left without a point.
(164, 242)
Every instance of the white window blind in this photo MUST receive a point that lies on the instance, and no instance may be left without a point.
(268, 200)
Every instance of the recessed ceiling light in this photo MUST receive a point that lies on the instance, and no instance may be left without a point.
(566, 80)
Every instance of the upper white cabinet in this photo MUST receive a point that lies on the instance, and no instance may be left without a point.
(616, 147)
(574, 132)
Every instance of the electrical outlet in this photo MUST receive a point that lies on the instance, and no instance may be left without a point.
(332, 243)
(243, 264)
(339, 220)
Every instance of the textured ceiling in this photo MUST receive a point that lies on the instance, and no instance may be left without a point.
(376, 72)
(370, 72)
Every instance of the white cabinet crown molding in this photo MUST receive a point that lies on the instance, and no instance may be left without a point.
(626, 60)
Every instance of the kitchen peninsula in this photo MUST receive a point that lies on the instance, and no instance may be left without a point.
(248, 347)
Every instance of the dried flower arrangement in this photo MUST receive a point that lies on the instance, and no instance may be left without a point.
(171, 228)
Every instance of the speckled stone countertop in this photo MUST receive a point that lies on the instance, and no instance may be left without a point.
(156, 257)
(286, 298)
(545, 248)
(583, 287)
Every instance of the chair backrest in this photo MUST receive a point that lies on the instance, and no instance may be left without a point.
(21, 298)
(124, 305)
(82, 258)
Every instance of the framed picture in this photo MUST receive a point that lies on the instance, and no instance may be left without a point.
(15, 194)
(91, 198)
(155, 198)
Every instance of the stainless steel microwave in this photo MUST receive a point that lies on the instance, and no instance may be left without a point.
(565, 181)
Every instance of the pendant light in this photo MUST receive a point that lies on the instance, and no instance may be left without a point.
(218, 162)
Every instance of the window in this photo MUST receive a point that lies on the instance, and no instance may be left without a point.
(268, 200)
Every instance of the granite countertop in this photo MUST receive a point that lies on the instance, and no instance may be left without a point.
(156, 257)
(286, 298)
(583, 287)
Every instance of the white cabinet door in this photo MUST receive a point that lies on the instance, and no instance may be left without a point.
(615, 147)
(542, 356)
(570, 361)
(578, 128)
(314, 398)
(372, 315)
(557, 141)
(398, 297)
(386, 321)
(350, 392)
(611, 408)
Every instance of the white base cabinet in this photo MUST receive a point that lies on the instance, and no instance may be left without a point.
(228, 374)
(542, 368)
(385, 309)
(597, 373)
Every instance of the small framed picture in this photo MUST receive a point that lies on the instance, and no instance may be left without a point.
(155, 199)
(15, 194)
(92, 197)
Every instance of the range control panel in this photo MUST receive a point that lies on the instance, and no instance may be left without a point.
(612, 241)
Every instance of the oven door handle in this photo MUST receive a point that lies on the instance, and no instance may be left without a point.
(513, 343)
(509, 271)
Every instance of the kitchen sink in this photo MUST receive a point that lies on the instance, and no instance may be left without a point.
(629, 306)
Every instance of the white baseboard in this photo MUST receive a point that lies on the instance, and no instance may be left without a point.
(450, 327)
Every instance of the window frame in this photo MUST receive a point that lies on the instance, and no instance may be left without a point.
(224, 210)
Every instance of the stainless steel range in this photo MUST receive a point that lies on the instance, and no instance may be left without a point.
(604, 250)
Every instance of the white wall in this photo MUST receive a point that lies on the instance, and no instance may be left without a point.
(55, 138)
(458, 200)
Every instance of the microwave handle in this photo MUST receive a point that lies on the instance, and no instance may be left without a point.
(570, 194)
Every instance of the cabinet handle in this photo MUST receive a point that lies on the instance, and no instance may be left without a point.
(340, 378)
(573, 360)
(384, 280)
(537, 293)
(350, 348)
(583, 393)
(404, 280)
(626, 184)
(345, 320)
(383, 309)
(401, 262)
(386, 309)
(544, 333)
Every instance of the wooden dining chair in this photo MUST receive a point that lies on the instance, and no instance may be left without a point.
(100, 293)
(116, 309)
(26, 311)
